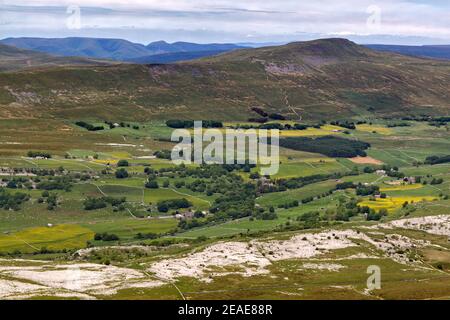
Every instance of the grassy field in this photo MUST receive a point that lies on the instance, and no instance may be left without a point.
(394, 203)
(53, 238)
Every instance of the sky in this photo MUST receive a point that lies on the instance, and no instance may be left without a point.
(231, 21)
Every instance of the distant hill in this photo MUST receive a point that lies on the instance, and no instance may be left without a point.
(434, 52)
(176, 56)
(317, 80)
(195, 47)
(116, 49)
(12, 59)
(81, 47)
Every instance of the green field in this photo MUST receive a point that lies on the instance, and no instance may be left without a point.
(26, 234)
(53, 238)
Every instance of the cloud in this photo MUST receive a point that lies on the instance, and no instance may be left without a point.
(202, 20)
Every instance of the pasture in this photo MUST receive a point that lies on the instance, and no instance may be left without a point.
(57, 237)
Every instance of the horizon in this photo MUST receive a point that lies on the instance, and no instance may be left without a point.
(243, 44)
(393, 22)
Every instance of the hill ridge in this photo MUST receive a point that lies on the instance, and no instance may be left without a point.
(319, 80)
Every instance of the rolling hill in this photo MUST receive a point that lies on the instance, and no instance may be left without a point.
(12, 59)
(433, 52)
(81, 47)
(173, 57)
(115, 49)
(322, 79)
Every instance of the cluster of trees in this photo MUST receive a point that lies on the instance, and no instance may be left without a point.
(344, 124)
(345, 186)
(263, 214)
(334, 147)
(299, 182)
(106, 237)
(288, 205)
(398, 124)
(361, 190)
(100, 203)
(439, 122)
(433, 121)
(437, 181)
(50, 182)
(50, 198)
(12, 201)
(39, 172)
(260, 112)
(89, 126)
(278, 126)
(146, 236)
(190, 224)
(18, 183)
(237, 197)
(351, 209)
(173, 204)
(56, 183)
(266, 116)
(310, 219)
(203, 171)
(346, 209)
(38, 154)
(163, 154)
(392, 172)
(373, 215)
(235, 203)
(433, 160)
(187, 124)
(122, 125)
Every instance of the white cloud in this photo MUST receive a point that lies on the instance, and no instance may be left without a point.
(206, 19)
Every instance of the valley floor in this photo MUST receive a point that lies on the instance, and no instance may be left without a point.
(56, 244)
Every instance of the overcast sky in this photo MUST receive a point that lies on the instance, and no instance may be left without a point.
(366, 21)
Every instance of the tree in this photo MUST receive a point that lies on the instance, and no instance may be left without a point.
(123, 163)
(148, 170)
(121, 174)
(152, 184)
(11, 184)
(163, 207)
